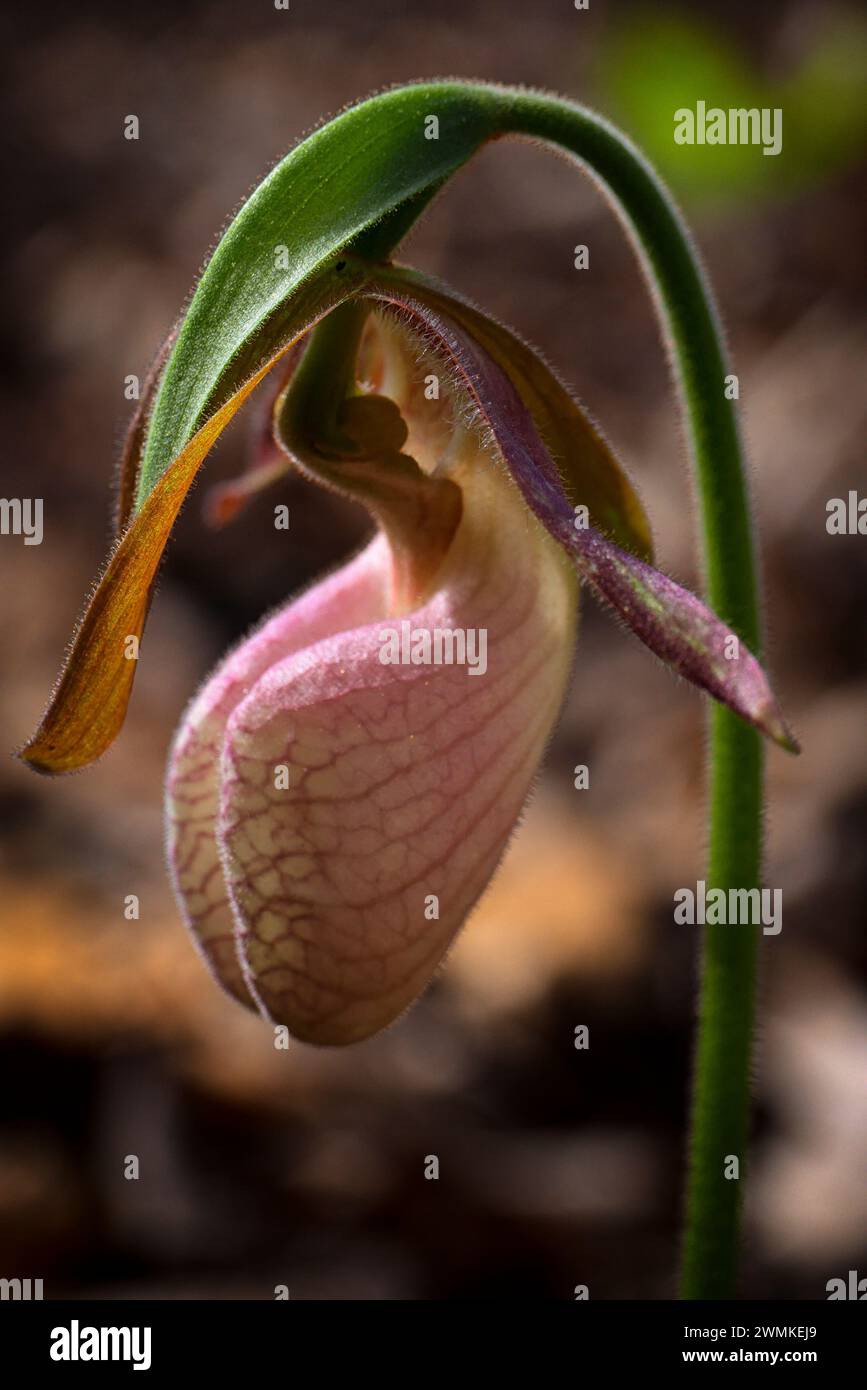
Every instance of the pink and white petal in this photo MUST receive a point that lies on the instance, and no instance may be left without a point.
(357, 593)
(404, 781)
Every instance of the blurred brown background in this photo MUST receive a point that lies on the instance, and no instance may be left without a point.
(557, 1167)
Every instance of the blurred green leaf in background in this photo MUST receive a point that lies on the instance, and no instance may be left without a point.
(660, 62)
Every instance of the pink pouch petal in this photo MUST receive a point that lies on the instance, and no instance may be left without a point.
(365, 806)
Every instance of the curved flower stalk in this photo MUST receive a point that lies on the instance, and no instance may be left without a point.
(342, 789)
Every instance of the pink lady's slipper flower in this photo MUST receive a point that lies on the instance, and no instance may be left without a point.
(343, 788)
(341, 791)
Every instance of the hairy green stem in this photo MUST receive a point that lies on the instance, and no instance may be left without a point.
(721, 1087)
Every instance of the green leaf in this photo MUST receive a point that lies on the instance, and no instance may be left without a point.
(332, 191)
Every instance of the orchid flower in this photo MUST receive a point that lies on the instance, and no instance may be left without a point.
(342, 789)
